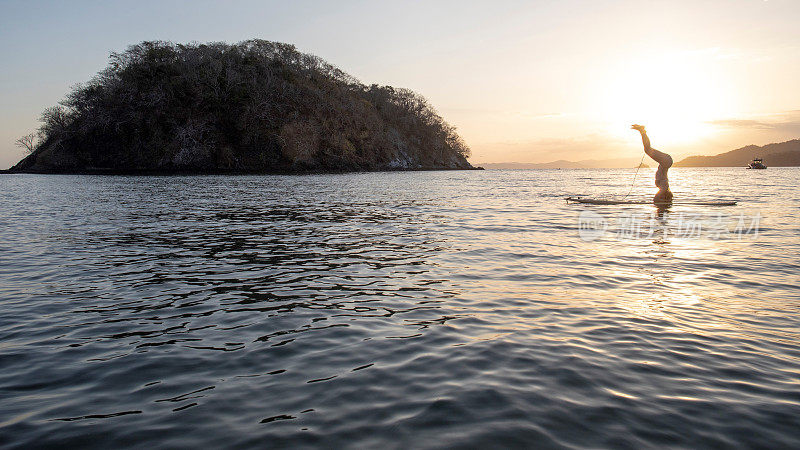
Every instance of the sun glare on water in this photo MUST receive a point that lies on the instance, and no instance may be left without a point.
(675, 96)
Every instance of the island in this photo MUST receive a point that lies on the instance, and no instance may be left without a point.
(252, 107)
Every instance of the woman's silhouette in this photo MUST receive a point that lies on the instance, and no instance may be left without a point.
(664, 195)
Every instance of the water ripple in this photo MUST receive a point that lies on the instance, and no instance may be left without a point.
(431, 309)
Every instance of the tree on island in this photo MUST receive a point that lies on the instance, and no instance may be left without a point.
(28, 142)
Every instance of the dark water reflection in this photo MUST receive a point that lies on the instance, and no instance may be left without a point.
(433, 309)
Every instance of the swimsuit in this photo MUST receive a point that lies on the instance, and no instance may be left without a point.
(664, 163)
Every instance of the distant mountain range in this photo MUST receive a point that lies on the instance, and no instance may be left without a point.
(777, 155)
(564, 164)
(774, 155)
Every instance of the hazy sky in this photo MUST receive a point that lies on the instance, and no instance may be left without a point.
(528, 81)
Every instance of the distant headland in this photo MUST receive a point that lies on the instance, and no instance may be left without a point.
(252, 107)
(775, 155)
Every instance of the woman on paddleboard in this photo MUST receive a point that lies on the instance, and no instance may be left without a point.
(664, 195)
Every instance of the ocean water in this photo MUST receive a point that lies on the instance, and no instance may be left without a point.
(394, 310)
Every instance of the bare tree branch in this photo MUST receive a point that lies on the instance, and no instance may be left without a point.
(28, 142)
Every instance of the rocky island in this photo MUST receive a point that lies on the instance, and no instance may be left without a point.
(252, 107)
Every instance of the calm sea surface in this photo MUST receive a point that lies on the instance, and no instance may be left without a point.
(427, 309)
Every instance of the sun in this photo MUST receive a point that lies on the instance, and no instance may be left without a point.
(674, 95)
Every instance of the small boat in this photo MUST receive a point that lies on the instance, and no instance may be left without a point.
(756, 163)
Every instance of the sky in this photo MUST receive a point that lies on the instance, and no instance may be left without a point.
(523, 81)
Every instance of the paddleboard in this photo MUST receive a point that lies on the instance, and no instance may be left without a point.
(597, 201)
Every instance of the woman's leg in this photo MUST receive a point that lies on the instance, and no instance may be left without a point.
(663, 159)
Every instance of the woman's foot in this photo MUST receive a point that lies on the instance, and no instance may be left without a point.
(637, 127)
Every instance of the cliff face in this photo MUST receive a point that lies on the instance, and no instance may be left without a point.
(253, 107)
(780, 154)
